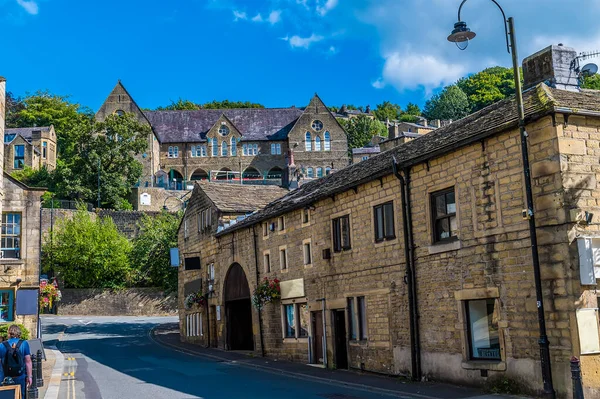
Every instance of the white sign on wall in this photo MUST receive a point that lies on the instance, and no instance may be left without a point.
(145, 199)
(587, 323)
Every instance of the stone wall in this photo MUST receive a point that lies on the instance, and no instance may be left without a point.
(128, 302)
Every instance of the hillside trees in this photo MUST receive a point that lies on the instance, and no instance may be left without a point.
(361, 130)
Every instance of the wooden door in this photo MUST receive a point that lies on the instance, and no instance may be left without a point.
(317, 336)
(340, 341)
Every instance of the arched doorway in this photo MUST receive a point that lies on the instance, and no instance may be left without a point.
(238, 310)
(199, 174)
(175, 180)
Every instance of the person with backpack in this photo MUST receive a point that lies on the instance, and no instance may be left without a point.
(16, 359)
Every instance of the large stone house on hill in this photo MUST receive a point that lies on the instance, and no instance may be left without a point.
(32, 147)
(284, 146)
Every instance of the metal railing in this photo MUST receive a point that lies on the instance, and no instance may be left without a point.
(66, 204)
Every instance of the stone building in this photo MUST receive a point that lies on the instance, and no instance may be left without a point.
(418, 262)
(281, 146)
(33, 147)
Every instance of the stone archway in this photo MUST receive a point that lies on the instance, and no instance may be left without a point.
(238, 309)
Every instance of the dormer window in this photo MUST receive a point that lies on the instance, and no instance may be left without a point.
(223, 130)
(317, 125)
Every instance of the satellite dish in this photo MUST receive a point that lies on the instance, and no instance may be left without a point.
(589, 70)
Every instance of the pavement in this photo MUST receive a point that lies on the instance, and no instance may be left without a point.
(139, 357)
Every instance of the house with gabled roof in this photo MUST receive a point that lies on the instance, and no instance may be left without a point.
(281, 146)
(31, 147)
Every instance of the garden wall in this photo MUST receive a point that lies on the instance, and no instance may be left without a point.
(127, 302)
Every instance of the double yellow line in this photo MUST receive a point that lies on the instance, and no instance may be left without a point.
(71, 393)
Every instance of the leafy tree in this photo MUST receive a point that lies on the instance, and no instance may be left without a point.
(88, 252)
(225, 104)
(360, 130)
(34, 177)
(487, 87)
(150, 255)
(111, 146)
(592, 82)
(412, 109)
(45, 109)
(14, 105)
(387, 110)
(451, 103)
(180, 105)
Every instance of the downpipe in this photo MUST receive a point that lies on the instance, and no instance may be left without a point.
(256, 266)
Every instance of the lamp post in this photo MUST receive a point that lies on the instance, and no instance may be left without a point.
(461, 35)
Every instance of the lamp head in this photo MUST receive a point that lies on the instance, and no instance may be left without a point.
(461, 35)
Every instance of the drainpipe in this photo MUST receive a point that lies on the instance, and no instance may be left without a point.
(409, 254)
(322, 300)
(256, 266)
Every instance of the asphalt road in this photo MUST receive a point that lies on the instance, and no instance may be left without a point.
(114, 358)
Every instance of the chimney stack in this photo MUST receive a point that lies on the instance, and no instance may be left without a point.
(553, 66)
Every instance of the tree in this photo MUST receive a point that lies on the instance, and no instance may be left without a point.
(14, 105)
(591, 82)
(108, 147)
(387, 111)
(360, 130)
(451, 103)
(225, 104)
(150, 255)
(34, 177)
(412, 109)
(487, 87)
(45, 109)
(88, 251)
(180, 105)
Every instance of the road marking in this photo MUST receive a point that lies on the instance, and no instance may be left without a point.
(85, 323)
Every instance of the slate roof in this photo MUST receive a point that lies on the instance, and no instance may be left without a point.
(538, 101)
(238, 198)
(366, 150)
(255, 124)
(26, 132)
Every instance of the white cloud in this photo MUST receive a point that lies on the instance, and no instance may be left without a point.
(328, 6)
(257, 18)
(30, 6)
(237, 15)
(274, 17)
(412, 71)
(332, 50)
(303, 3)
(303, 42)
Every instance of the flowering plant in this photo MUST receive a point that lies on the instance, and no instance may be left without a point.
(49, 294)
(194, 299)
(265, 292)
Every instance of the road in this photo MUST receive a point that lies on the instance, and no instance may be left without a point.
(115, 357)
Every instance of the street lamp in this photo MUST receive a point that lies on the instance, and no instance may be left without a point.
(461, 35)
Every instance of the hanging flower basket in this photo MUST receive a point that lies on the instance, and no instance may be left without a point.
(195, 299)
(267, 291)
(49, 295)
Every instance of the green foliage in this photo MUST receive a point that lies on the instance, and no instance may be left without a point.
(34, 177)
(387, 111)
(25, 334)
(150, 255)
(451, 103)
(504, 385)
(360, 130)
(412, 109)
(88, 252)
(487, 87)
(180, 105)
(14, 105)
(592, 82)
(230, 104)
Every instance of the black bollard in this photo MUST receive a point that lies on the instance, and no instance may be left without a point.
(40, 376)
(32, 391)
(576, 377)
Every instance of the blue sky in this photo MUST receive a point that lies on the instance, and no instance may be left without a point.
(275, 52)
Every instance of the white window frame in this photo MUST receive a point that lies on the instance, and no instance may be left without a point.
(296, 307)
(308, 142)
(233, 147)
(215, 147)
(317, 143)
(327, 141)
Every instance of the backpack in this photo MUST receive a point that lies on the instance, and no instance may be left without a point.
(14, 361)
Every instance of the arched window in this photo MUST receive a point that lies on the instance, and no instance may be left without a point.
(317, 143)
(327, 171)
(224, 151)
(327, 141)
(215, 147)
(319, 172)
(308, 144)
(233, 147)
(309, 173)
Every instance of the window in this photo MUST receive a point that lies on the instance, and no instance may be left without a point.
(198, 151)
(482, 329)
(443, 205)
(255, 149)
(319, 172)
(203, 151)
(317, 125)
(19, 157)
(233, 147)
(199, 221)
(341, 233)
(224, 150)
(317, 143)
(309, 173)
(307, 254)
(211, 272)
(364, 158)
(265, 230)
(44, 149)
(192, 263)
(295, 320)
(7, 305)
(120, 112)
(281, 223)
(327, 171)
(244, 149)
(11, 235)
(215, 147)
(283, 259)
(250, 149)
(384, 222)
(305, 215)
(351, 319)
(194, 151)
(289, 321)
(362, 317)
(173, 152)
(308, 143)
(267, 262)
(205, 219)
(327, 142)
(186, 233)
(8, 138)
(223, 130)
(276, 149)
